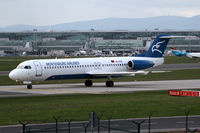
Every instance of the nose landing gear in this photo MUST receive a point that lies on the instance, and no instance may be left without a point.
(28, 83)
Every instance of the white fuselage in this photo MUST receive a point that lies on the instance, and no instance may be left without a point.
(193, 55)
(54, 69)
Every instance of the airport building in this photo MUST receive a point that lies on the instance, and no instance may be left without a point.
(119, 42)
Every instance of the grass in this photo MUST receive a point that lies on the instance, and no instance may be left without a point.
(180, 60)
(9, 63)
(173, 75)
(40, 109)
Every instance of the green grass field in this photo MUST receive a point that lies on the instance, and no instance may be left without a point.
(40, 109)
(180, 60)
(9, 63)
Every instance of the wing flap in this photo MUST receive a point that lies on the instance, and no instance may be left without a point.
(118, 73)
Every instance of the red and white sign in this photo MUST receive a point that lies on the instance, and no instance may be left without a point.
(190, 93)
(184, 93)
(174, 93)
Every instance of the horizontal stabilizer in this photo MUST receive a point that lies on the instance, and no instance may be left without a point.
(169, 37)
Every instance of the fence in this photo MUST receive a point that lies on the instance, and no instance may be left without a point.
(95, 124)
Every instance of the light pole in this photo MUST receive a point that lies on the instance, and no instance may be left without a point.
(34, 41)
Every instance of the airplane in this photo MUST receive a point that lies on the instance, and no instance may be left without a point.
(90, 68)
(180, 53)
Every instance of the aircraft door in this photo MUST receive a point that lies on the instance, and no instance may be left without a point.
(38, 67)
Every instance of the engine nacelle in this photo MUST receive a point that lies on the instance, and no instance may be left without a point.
(140, 64)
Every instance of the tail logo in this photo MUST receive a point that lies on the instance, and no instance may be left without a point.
(156, 47)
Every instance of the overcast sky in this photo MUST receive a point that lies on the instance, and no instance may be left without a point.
(49, 12)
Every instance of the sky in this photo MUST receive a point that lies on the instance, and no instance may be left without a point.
(50, 12)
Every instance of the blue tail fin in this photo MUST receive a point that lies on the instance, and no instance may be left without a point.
(158, 46)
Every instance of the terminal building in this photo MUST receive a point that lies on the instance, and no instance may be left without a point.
(69, 43)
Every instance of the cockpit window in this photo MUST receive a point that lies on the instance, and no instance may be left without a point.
(27, 67)
(20, 67)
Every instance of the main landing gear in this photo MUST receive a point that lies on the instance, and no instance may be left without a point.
(29, 86)
(109, 83)
(89, 83)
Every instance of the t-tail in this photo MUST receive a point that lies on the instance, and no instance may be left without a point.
(158, 46)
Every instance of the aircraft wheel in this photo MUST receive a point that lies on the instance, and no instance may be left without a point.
(88, 83)
(109, 83)
(29, 86)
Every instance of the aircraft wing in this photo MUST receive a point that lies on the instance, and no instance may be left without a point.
(118, 73)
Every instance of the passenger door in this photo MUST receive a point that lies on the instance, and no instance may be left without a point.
(38, 67)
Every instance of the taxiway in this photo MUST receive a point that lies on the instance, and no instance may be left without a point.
(98, 88)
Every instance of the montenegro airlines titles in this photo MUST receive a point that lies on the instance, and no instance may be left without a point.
(90, 68)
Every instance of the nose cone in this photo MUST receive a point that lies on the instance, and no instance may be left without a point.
(13, 75)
